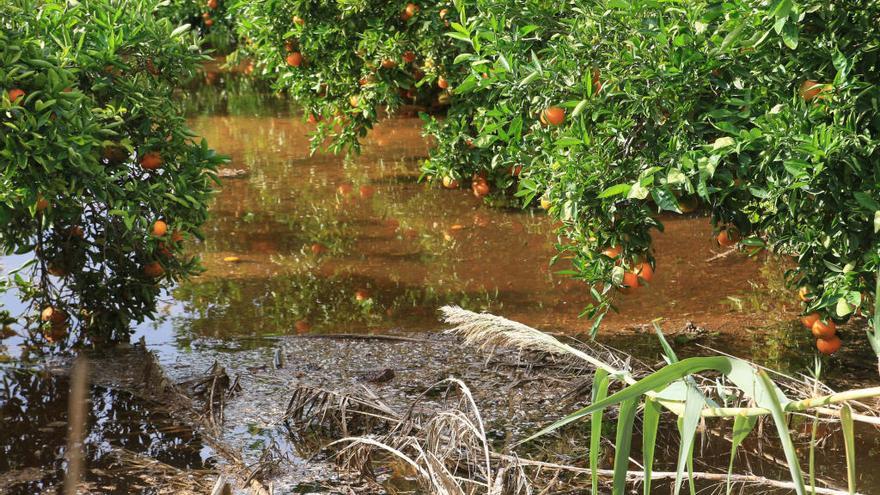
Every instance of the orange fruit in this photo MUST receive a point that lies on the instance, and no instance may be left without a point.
(153, 269)
(299, 21)
(411, 9)
(828, 346)
(480, 187)
(809, 320)
(209, 22)
(388, 64)
(597, 82)
(294, 59)
(613, 252)
(516, 170)
(302, 326)
(76, 231)
(15, 94)
(56, 270)
(545, 203)
(42, 204)
(366, 191)
(318, 249)
(554, 116)
(353, 100)
(804, 294)
(727, 237)
(443, 13)
(811, 89)
(450, 183)
(160, 228)
(824, 329)
(630, 283)
(54, 316)
(409, 57)
(151, 161)
(645, 271)
(361, 295)
(442, 83)
(212, 4)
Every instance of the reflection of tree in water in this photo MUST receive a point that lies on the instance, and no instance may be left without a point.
(33, 406)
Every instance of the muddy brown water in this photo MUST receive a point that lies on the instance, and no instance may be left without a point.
(326, 244)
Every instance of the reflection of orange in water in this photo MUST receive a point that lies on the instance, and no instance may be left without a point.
(302, 326)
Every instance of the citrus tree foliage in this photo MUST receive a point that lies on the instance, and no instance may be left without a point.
(100, 179)
(610, 112)
(345, 60)
(212, 19)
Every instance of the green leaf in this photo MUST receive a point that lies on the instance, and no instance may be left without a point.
(650, 423)
(623, 444)
(790, 35)
(693, 407)
(742, 426)
(600, 392)
(846, 422)
(615, 190)
(776, 410)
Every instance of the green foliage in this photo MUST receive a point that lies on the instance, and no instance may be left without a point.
(97, 79)
(354, 58)
(763, 113)
(213, 19)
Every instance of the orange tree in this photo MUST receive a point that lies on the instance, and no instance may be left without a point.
(345, 62)
(101, 179)
(212, 19)
(609, 112)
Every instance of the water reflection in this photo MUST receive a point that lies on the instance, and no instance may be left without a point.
(33, 408)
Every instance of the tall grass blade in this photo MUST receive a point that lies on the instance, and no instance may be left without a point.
(667, 349)
(688, 428)
(846, 421)
(742, 426)
(784, 435)
(600, 392)
(651, 422)
(653, 382)
(623, 444)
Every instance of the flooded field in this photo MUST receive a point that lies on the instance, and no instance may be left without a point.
(300, 246)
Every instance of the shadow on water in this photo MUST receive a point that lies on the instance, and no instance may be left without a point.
(34, 408)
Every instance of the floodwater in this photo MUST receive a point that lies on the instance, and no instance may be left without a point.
(327, 245)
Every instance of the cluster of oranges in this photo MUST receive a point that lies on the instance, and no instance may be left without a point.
(639, 275)
(824, 330)
(206, 16)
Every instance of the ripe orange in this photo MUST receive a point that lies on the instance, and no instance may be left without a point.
(299, 21)
(516, 170)
(318, 249)
(727, 237)
(810, 89)
(361, 295)
(42, 204)
(613, 252)
(554, 116)
(153, 269)
(411, 9)
(804, 294)
(295, 59)
(645, 271)
(76, 231)
(442, 83)
(151, 161)
(53, 315)
(450, 182)
(824, 329)
(209, 22)
(480, 187)
(388, 64)
(809, 320)
(829, 345)
(302, 326)
(313, 119)
(630, 283)
(15, 94)
(409, 57)
(160, 228)
(212, 4)
(366, 191)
